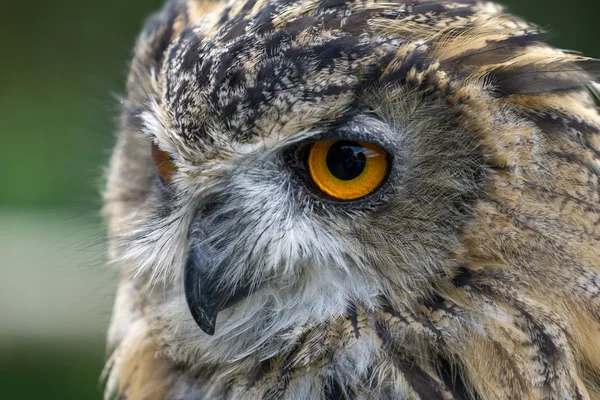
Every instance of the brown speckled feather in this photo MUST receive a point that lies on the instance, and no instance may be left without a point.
(494, 292)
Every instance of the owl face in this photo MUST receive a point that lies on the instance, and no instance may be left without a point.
(329, 215)
(285, 164)
(291, 175)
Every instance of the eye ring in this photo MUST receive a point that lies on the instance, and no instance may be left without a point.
(164, 164)
(347, 170)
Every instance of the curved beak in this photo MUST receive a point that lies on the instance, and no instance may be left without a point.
(202, 294)
(203, 286)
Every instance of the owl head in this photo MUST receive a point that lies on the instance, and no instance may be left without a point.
(283, 165)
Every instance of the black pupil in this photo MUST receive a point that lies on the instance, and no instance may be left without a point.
(346, 160)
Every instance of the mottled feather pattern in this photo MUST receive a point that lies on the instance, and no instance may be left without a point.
(474, 275)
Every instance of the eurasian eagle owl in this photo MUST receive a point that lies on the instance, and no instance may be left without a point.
(361, 199)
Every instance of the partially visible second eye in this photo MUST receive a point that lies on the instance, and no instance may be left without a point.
(165, 167)
(347, 170)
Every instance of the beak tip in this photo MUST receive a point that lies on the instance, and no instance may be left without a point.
(210, 331)
(206, 322)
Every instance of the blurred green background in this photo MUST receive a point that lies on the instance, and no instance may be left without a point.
(64, 64)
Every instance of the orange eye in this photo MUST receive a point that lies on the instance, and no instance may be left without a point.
(164, 163)
(347, 170)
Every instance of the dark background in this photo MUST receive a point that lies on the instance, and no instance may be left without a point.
(64, 64)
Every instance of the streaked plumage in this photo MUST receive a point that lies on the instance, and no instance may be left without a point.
(473, 273)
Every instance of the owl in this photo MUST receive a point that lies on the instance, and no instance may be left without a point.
(354, 199)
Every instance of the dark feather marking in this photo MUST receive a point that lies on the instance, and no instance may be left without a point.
(557, 77)
(265, 90)
(559, 121)
(534, 83)
(290, 358)
(157, 35)
(346, 48)
(437, 302)
(158, 29)
(235, 29)
(332, 390)
(284, 378)
(205, 67)
(419, 380)
(424, 322)
(579, 395)
(224, 15)
(547, 347)
(227, 59)
(249, 5)
(352, 313)
(464, 277)
(372, 75)
(353, 24)
(288, 366)
(550, 353)
(453, 380)
(415, 60)
(332, 91)
(263, 20)
(328, 4)
(273, 43)
(387, 308)
(193, 50)
(259, 373)
(495, 52)
(333, 50)
(434, 8)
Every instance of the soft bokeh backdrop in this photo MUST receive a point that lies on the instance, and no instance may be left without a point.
(63, 68)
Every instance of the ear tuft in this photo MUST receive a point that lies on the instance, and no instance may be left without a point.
(158, 33)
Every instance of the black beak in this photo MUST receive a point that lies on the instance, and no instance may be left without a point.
(202, 294)
(205, 292)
